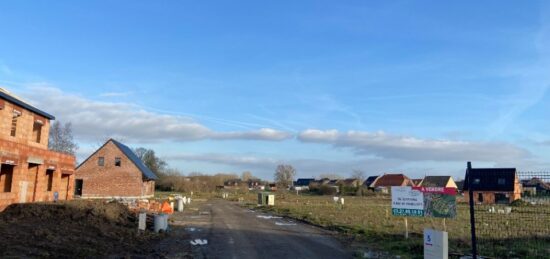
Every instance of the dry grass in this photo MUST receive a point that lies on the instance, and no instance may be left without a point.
(369, 220)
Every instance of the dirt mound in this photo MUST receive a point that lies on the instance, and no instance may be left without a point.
(71, 229)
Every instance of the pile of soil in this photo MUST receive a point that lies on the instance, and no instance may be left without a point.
(72, 229)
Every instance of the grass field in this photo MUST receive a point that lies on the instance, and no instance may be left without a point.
(368, 220)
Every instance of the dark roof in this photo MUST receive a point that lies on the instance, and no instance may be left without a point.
(393, 180)
(492, 179)
(147, 173)
(435, 181)
(24, 105)
(460, 185)
(334, 181)
(370, 180)
(536, 182)
(304, 181)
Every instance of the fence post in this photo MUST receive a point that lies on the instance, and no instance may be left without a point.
(472, 212)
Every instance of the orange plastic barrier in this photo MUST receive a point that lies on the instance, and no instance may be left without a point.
(166, 208)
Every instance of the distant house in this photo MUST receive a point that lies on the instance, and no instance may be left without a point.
(334, 182)
(493, 185)
(233, 183)
(416, 182)
(114, 171)
(350, 182)
(535, 186)
(254, 183)
(303, 181)
(370, 180)
(388, 180)
(438, 181)
(271, 187)
(302, 184)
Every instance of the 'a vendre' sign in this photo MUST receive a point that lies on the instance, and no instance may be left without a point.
(407, 202)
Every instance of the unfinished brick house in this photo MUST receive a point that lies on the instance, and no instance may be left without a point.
(493, 185)
(28, 170)
(113, 171)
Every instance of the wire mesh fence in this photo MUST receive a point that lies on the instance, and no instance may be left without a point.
(515, 224)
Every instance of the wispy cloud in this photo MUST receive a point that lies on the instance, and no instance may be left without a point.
(116, 94)
(533, 80)
(93, 120)
(261, 134)
(385, 145)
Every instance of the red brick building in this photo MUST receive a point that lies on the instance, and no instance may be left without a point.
(28, 170)
(493, 185)
(388, 180)
(114, 170)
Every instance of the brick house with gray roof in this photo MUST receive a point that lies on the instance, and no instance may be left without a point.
(114, 170)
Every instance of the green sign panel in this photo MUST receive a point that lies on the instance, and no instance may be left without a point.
(439, 205)
(407, 212)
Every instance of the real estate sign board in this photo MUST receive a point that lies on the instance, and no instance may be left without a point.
(407, 202)
(439, 202)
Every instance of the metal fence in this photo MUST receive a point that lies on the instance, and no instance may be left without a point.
(509, 228)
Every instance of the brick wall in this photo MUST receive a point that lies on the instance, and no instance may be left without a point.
(109, 180)
(490, 197)
(25, 122)
(29, 181)
(33, 177)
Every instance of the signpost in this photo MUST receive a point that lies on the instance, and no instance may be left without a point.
(438, 202)
(406, 202)
(436, 244)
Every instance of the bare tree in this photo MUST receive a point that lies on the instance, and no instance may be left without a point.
(149, 158)
(359, 175)
(284, 175)
(61, 138)
(246, 175)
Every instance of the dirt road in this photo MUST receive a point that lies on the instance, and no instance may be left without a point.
(235, 232)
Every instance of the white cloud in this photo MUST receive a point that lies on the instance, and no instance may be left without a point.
(383, 145)
(115, 94)
(94, 120)
(261, 134)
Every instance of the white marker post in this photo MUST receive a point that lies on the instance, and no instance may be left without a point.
(436, 244)
(406, 228)
(142, 221)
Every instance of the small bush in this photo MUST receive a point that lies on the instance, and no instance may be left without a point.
(326, 190)
(519, 203)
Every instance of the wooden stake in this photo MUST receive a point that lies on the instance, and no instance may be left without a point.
(406, 229)
(444, 225)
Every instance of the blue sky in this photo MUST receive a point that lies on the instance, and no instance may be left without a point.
(418, 87)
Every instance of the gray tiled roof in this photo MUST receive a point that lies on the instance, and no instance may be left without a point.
(147, 173)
